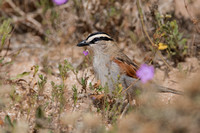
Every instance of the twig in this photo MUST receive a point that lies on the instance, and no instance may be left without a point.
(194, 20)
(29, 17)
(188, 10)
(124, 111)
(142, 22)
(133, 83)
(192, 46)
(164, 61)
(14, 7)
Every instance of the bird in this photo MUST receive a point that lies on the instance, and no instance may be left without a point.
(112, 66)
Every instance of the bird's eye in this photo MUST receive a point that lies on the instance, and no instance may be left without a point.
(93, 41)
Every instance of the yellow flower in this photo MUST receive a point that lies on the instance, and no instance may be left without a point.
(162, 46)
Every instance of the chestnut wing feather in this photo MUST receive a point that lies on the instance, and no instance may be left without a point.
(126, 66)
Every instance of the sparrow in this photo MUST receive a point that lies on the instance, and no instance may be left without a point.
(112, 66)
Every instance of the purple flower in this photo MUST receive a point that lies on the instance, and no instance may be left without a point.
(93, 98)
(59, 2)
(145, 73)
(85, 53)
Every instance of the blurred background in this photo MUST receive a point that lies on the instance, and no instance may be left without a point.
(44, 77)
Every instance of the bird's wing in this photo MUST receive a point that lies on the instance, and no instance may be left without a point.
(126, 65)
(130, 67)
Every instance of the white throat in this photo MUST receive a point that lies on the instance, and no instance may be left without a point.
(100, 64)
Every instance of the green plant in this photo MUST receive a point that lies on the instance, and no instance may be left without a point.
(58, 95)
(41, 83)
(111, 106)
(63, 69)
(5, 34)
(8, 121)
(5, 31)
(20, 75)
(168, 37)
(75, 94)
(58, 90)
(84, 83)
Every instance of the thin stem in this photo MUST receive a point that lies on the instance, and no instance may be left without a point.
(142, 22)
(145, 31)
(130, 85)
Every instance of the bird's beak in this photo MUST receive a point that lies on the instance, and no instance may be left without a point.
(82, 44)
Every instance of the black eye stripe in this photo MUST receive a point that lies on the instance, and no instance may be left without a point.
(99, 39)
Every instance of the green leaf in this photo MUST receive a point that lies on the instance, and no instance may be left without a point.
(8, 120)
(36, 69)
(75, 94)
(1, 60)
(21, 75)
(39, 113)
(112, 11)
(184, 52)
(3, 40)
(180, 36)
(183, 41)
(172, 24)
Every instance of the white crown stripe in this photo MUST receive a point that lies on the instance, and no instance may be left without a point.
(97, 36)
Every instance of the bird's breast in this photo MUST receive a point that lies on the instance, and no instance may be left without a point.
(100, 68)
(106, 70)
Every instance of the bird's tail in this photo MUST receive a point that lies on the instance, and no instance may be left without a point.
(163, 89)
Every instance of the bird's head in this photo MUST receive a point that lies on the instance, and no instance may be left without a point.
(98, 41)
